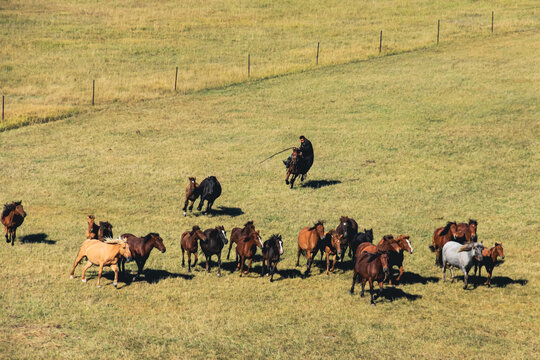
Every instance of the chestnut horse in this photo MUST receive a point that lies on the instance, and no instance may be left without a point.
(489, 260)
(468, 230)
(189, 243)
(308, 241)
(370, 267)
(92, 231)
(140, 249)
(387, 244)
(271, 251)
(236, 233)
(12, 217)
(397, 258)
(331, 245)
(443, 235)
(192, 193)
(348, 228)
(297, 166)
(246, 249)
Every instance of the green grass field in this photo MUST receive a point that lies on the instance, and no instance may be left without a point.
(407, 142)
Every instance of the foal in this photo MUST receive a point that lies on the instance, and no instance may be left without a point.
(489, 260)
(192, 193)
(271, 251)
(92, 231)
(331, 245)
(189, 244)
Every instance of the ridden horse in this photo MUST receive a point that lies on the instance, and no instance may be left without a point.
(140, 249)
(370, 267)
(192, 193)
(214, 243)
(93, 228)
(360, 238)
(12, 217)
(271, 251)
(105, 230)
(189, 243)
(397, 258)
(246, 249)
(308, 241)
(489, 260)
(106, 254)
(210, 190)
(468, 230)
(236, 233)
(443, 235)
(349, 229)
(331, 245)
(297, 166)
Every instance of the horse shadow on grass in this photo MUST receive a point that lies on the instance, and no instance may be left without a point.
(393, 293)
(317, 184)
(230, 265)
(39, 238)
(501, 281)
(410, 278)
(148, 275)
(222, 211)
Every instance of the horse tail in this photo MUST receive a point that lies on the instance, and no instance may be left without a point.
(432, 248)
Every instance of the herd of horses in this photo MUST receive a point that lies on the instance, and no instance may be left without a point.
(455, 245)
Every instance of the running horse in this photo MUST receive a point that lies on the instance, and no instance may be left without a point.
(489, 260)
(192, 193)
(12, 217)
(468, 231)
(397, 258)
(309, 239)
(443, 235)
(246, 248)
(189, 243)
(271, 251)
(297, 166)
(236, 233)
(348, 228)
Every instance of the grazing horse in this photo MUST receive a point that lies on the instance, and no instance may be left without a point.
(236, 233)
(397, 258)
(360, 238)
(349, 229)
(105, 230)
(468, 230)
(308, 241)
(189, 243)
(93, 228)
(140, 249)
(246, 249)
(455, 254)
(12, 217)
(489, 260)
(331, 245)
(443, 235)
(192, 193)
(271, 251)
(214, 243)
(106, 254)
(82, 253)
(210, 190)
(370, 267)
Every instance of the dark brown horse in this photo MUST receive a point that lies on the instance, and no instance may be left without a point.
(12, 217)
(105, 230)
(396, 259)
(236, 233)
(271, 251)
(192, 193)
(348, 228)
(370, 267)
(331, 245)
(489, 260)
(443, 235)
(215, 241)
(93, 228)
(387, 244)
(246, 249)
(140, 248)
(189, 244)
(468, 231)
(308, 242)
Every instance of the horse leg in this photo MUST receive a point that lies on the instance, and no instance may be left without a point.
(293, 179)
(209, 205)
(219, 264)
(196, 253)
(241, 265)
(272, 272)
(13, 236)
(334, 263)
(6, 230)
(140, 266)
(249, 267)
(189, 260)
(237, 260)
(183, 264)
(327, 262)
(207, 265)
(185, 207)
(354, 278)
(77, 261)
(309, 261)
(230, 247)
(363, 286)
(99, 275)
(488, 281)
(299, 253)
(465, 277)
(115, 268)
(85, 267)
(400, 273)
(287, 177)
(371, 291)
(443, 272)
(263, 262)
(201, 203)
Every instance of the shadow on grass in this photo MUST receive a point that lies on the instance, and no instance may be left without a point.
(40, 238)
(502, 281)
(220, 211)
(148, 275)
(392, 293)
(316, 184)
(413, 278)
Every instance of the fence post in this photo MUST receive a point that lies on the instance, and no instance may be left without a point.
(380, 43)
(93, 90)
(438, 30)
(249, 65)
(176, 78)
(317, 61)
(492, 21)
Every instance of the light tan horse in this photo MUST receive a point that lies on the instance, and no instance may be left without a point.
(82, 253)
(308, 241)
(106, 254)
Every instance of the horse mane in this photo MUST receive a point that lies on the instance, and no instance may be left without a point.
(373, 256)
(319, 222)
(148, 236)
(112, 241)
(10, 207)
(195, 228)
(447, 227)
(473, 222)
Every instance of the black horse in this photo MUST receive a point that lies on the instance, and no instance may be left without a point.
(348, 228)
(361, 237)
(215, 241)
(210, 190)
(271, 251)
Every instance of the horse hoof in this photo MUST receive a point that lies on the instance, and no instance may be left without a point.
(71, 276)
(287, 182)
(115, 284)
(99, 286)
(84, 280)
(373, 303)
(184, 213)
(218, 275)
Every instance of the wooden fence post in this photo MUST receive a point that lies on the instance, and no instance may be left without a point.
(175, 78)
(317, 61)
(438, 30)
(93, 90)
(380, 43)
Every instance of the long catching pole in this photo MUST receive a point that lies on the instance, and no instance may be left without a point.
(271, 156)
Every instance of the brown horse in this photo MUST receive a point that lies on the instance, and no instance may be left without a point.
(189, 244)
(397, 258)
(106, 254)
(105, 230)
(308, 241)
(468, 230)
(489, 260)
(92, 231)
(348, 228)
(331, 245)
(140, 249)
(370, 267)
(443, 235)
(388, 244)
(236, 233)
(246, 249)
(12, 217)
(192, 193)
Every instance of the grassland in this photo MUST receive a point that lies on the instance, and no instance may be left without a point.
(50, 51)
(408, 142)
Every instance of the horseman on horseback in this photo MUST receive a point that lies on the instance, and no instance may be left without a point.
(300, 161)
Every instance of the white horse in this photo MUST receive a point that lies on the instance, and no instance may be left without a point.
(455, 254)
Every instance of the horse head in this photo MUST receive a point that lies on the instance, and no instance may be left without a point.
(498, 251)
(19, 209)
(279, 243)
(369, 234)
(477, 250)
(125, 251)
(222, 235)
(388, 243)
(404, 243)
(256, 238)
(384, 262)
(196, 231)
(346, 226)
(105, 230)
(156, 240)
(473, 225)
(319, 227)
(336, 242)
(91, 220)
